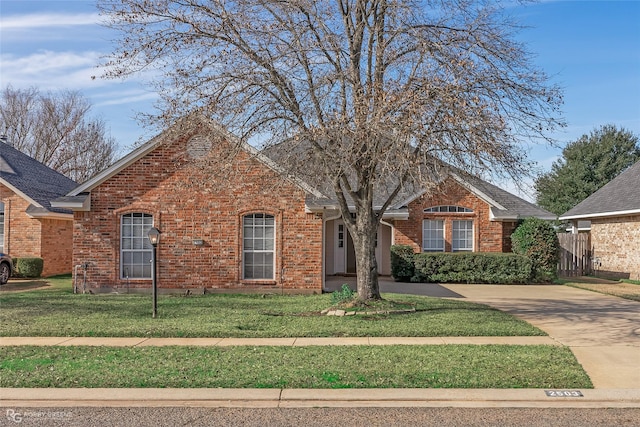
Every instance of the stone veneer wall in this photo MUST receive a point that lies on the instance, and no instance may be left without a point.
(616, 243)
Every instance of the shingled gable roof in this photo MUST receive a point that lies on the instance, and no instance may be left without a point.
(504, 206)
(619, 197)
(78, 199)
(33, 181)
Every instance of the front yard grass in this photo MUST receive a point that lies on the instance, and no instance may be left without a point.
(56, 311)
(447, 366)
(626, 289)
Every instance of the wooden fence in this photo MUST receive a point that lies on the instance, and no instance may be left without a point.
(575, 254)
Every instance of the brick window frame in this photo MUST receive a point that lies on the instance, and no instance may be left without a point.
(433, 235)
(462, 235)
(259, 243)
(451, 216)
(135, 249)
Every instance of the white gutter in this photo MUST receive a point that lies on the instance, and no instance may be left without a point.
(20, 193)
(51, 215)
(602, 214)
(79, 203)
(400, 215)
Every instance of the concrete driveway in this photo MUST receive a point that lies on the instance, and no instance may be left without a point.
(602, 331)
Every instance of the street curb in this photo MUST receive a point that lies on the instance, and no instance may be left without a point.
(306, 398)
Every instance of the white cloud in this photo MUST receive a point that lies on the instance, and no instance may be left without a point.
(50, 70)
(48, 20)
(128, 98)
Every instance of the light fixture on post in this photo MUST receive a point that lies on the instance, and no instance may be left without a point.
(154, 238)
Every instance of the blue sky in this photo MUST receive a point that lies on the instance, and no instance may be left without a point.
(590, 48)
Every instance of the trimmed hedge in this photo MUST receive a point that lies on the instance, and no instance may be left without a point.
(537, 240)
(29, 267)
(402, 268)
(472, 267)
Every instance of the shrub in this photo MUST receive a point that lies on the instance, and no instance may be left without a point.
(345, 294)
(28, 267)
(536, 239)
(402, 268)
(497, 268)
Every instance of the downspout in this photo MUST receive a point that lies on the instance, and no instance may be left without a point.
(383, 222)
(75, 278)
(281, 250)
(7, 227)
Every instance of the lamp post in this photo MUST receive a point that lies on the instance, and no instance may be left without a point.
(154, 239)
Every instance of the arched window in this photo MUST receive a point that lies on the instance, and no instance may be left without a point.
(135, 249)
(258, 246)
(448, 209)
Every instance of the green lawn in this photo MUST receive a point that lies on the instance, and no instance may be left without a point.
(449, 366)
(56, 311)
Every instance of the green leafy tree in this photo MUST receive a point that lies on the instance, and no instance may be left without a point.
(537, 240)
(586, 165)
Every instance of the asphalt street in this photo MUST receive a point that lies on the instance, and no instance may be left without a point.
(321, 417)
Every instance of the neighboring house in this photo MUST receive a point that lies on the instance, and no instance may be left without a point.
(238, 223)
(29, 225)
(614, 212)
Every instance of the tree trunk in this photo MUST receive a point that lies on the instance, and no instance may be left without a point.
(364, 244)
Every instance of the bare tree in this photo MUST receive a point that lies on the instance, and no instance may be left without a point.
(373, 93)
(56, 130)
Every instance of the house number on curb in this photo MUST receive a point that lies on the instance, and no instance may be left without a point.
(563, 393)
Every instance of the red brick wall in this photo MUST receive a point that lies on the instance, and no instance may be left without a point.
(22, 233)
(200, 201)
(57, 246)
(489, 236)
(49, 239)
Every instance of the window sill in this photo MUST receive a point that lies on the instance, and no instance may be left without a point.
(258, 282)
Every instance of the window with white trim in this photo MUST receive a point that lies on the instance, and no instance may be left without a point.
(135, 249)
(258, 246)
(462, 235)
(433, 235)
(448, 209)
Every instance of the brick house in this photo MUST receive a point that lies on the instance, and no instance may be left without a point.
(29, 225)
(614, 212)
(238, 223)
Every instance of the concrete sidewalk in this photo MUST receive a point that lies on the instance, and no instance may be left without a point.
(312, 398)
(290, 342)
